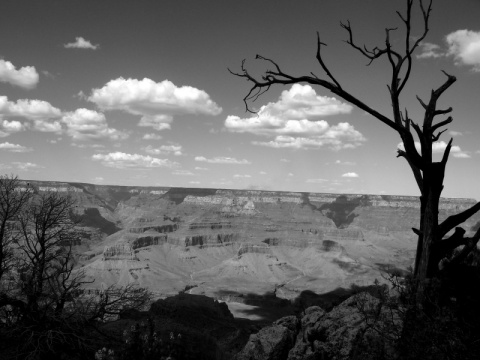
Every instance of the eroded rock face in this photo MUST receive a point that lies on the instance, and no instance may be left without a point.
(160, 228)
(341, 334)
(144, 241)
(210, 240)
(273, 342)
(253, 249)
(119, 252)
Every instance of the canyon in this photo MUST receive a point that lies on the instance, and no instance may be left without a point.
(242, 247)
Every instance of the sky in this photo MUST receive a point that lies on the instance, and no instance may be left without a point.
(138, 93)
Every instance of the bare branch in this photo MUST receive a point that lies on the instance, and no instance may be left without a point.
(436, 137)
(455, 220)
(421, 102)
(446, 153)
(322, 64)
(441, 123)
(470, 244)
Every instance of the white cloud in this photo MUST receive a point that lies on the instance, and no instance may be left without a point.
(263, 173)
(464, 46)
(10, 127)
(285, 160)
(461, 155)
(429, 50)
(41, 113)
(348, 163)
(152, 136)
(337, 137)
(438, 147)
(26, 166)
(29, 109)
(194, 182)
(98, 179)
(164, 149)
(26, 77)
(81, 43)
(350, 175)
(295, 116)
(200, 168)
(84, 124)
(240, 176)
(122, 160)
(157, 122)
(455, 133)
(222, 160)
(14, 147)
(157, 103)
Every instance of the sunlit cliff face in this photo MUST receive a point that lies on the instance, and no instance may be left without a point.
(246, 241)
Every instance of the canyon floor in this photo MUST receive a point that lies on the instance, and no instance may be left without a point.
(261, 252)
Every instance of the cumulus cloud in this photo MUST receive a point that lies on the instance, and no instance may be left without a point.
(29, 109)
(26, 166)
(158, 122)
(25, 77)
(222, 160)
(294, 121)
(455, 133)
(156, 103)
(200, 168)
(41, 113)
(84, 124)
(14, 147)
(350, 175)
(121, 160)
(10, 127)
(164, 149)
(438, 147)
(464, 46)
(81, 43)
(430, 50)
(151, 136)
(337, 137)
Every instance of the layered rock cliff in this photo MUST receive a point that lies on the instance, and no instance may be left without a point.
(248, 239)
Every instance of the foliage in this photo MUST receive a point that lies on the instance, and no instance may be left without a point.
(445, 326)
(44, 310)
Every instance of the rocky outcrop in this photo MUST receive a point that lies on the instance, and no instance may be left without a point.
(273, 342)
(214, 225)
(253, 249)
(119, 252)
(168, 228)
(341, 334)
(145, 241)
(210, 240)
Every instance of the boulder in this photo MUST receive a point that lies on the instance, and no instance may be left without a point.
(340, 334)
(272, 342)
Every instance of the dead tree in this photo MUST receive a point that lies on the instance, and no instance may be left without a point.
(429, 175)
(13, 198)
(46, 308)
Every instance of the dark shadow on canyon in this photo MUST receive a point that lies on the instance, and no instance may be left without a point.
(267, 307)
